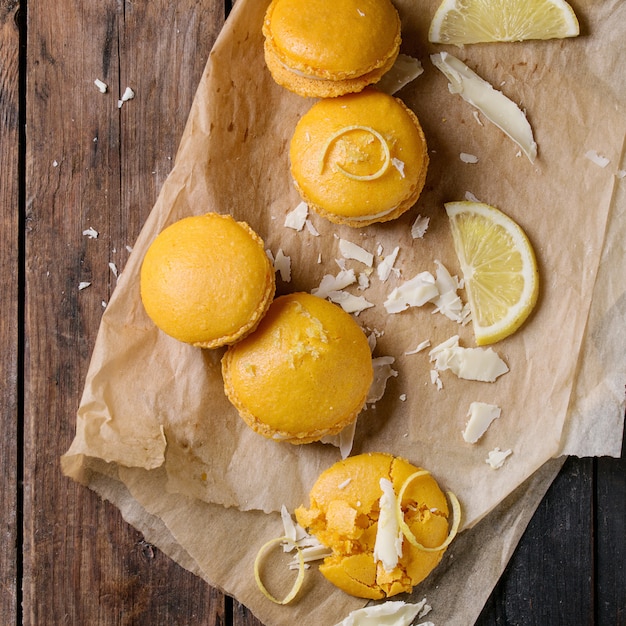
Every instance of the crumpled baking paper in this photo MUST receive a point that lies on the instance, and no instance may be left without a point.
(155, 433)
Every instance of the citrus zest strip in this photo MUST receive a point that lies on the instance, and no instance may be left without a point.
(298, 582)
(346, 129)
(406, 531)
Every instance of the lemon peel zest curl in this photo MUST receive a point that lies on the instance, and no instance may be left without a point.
(346, 129)
(404, 527)
(299, 579)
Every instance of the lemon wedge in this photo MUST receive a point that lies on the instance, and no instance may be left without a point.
(499, 267)
(474, 21)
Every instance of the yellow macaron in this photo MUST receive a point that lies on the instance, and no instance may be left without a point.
(304, 373)
(344, 515)
(320, 48)
(206, 280)
(360, 158)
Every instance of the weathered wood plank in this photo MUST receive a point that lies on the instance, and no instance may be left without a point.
(243, 617)
(610, 536)
(548, 579)
(91, 164)
(9, 297)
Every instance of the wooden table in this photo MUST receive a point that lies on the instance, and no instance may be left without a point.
(70, 160)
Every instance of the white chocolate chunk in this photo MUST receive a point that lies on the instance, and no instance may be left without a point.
(468, 158)
(91, 232)
(480, 416)
(497, 457)
(128, 94)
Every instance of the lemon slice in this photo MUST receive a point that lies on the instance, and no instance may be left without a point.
(473, 21)
(499, 267)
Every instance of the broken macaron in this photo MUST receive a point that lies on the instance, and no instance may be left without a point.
(387, 522)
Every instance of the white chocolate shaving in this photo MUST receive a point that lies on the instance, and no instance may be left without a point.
(330, 283)
(343, 440)
(297, 218)
(468, 158)
(353, 251)
(382, 373)
(388, 544)
(594, 157)
(404, 70)
(90, 232)
(419, 227)
(414, 292)
(480, 416)
(348, 302)
(493, 104)
(468, 363)
(390, 613)
(282, 265)
(386, 265)
(128, 94)
(497, 457)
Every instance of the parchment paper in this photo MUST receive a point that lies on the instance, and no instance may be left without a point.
(155, 432)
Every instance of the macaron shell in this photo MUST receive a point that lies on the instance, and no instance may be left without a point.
(206, 280)
(314, 87)
(355, 480)
(335, 134)
(355, 574)
(332, 40)
(305, 372)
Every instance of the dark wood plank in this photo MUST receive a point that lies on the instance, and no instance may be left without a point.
(90, 164)
(548, 581)
(9, 297)
(242, 616)
(610, 535)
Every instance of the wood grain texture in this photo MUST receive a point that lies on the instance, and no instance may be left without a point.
(548, 580)
(89, 164)
(92, 164)
(610, 532)
(10, 361)
(243, 617)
